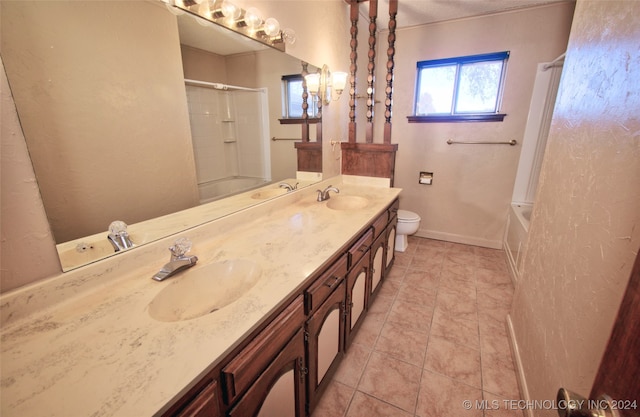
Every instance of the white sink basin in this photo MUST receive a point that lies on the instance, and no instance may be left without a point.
(347, 202)
(270, 193)
(204, 289)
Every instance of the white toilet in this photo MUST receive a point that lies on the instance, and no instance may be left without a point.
(408, 224)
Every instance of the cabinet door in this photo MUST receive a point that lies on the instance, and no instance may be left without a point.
(378, 267)
(358, 284)
(244, 368)
(205, 404)
(325, 345)
(280, 389)
(391, 243)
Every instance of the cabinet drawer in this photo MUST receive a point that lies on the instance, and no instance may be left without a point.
(325, 284)
(205, 404)
(380, 224)
(359, 248)
(240, 373)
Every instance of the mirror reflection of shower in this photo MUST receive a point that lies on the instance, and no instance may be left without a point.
(230, 134)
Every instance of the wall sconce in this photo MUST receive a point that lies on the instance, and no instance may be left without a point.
(321, 84)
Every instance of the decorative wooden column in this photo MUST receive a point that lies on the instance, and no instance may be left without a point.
(309, 153)
(371, 67)
(388, 91)
(352, 69)
(371, 159)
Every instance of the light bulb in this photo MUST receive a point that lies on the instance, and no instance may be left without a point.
(230, 10)
(289, 36)
(252, 18)
(313, 82)
(338, 81)
(271, 27)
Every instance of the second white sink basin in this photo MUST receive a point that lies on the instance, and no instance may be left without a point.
(347, 202)
(204, 289)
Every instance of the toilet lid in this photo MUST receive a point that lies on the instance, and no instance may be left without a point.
(406, 215)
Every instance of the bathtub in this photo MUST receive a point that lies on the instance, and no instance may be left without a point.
(214, 190)
(515, 237)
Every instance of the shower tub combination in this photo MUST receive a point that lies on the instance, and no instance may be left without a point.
(515, 238)
(545, 90)
(214, 190)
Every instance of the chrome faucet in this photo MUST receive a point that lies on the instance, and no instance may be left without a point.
(288, 186)
(179, 260)
(324, 194)
(118, 236)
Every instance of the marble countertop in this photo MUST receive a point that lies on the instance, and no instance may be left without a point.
(83, 344)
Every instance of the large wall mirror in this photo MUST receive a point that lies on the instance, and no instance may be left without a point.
(115, 133)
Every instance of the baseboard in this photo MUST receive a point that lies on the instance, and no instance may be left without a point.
(522, 380)
(467, 240)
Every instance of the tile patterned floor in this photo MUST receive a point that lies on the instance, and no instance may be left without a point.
(434, 337)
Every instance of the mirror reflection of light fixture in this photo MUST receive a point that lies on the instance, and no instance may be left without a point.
(321, 85)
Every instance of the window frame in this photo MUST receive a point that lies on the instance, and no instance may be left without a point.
(494, 116)
(312, 110)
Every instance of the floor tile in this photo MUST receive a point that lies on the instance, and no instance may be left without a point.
(411, 315)
(456, 330)
(350, 370)
(444, 397)
(364, 405)
(498, 375)
(335, 401)
(391, 380)
(401, 343)
(455, 361)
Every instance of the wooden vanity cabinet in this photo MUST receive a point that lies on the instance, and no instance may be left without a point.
(325, 328)
(284, 369)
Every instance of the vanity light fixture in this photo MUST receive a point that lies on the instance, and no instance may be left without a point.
(321, 85)
(249, 22)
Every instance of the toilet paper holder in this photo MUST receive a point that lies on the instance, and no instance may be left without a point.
(425, 178)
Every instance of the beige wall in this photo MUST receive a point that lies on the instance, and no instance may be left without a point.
(273, 65)
(27, 250)
(108, 137)
(584, 233)
(473, 184)
(203, 66)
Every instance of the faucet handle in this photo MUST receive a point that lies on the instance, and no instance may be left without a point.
(117, 228)
(180, 247)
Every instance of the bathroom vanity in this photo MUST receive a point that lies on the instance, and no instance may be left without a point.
(87, 342)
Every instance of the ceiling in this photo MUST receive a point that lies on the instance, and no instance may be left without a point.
(420, 12)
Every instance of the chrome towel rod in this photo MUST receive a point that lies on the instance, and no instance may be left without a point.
(511, 142)
(275, 138)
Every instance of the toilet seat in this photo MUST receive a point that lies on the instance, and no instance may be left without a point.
(407, 216)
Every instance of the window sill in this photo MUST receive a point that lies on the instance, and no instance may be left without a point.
(299, 121)
(458, 118)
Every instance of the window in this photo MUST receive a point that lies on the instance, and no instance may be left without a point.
(461, 89)
(292, 98)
